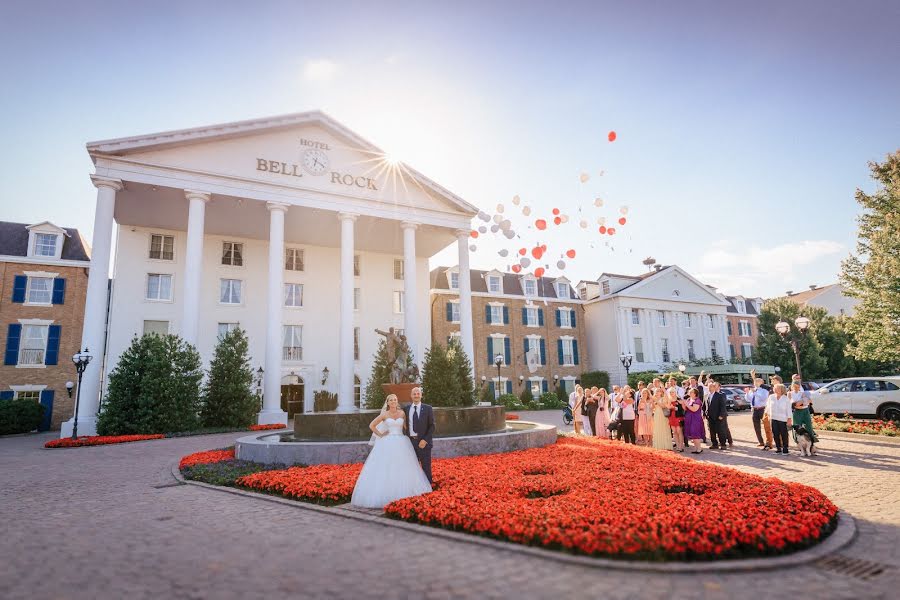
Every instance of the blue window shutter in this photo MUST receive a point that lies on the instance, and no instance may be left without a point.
(52, 355)
(449, 311)
(729, 327)
(743, 351)
(525, 343)
(506, 351)
(573, 317)
(7, 395)
(544, 386)
(559, 353)
(490, 352)
(20, 282)
(506, 315)
(487, 313)
(541, 317)
(558, 318)
(493, 391)
(575, 351)
(524, 316)
(13, 335)
(59, 291)
(749, 328)
(508, 386)
(543, 352)
(47, 401)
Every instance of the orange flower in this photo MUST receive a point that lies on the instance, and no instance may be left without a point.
(100, 440)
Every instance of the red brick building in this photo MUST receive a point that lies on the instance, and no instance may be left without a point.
(742, 322)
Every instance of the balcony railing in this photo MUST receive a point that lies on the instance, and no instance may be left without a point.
(292, 353)
(31, 357)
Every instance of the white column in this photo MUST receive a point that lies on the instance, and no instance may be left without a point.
(345, 337)
(465, 298)
(193, 265)
(271, 411)
(94, 329)
(410, 317)
(723, 336)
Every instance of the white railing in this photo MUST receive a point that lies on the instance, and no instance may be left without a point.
(31, 357)
(292, 353)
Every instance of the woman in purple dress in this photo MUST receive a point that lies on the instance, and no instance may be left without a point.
(693, 420)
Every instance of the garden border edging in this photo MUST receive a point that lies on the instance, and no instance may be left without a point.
(843, 534)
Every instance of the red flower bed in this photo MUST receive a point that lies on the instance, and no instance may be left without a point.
(321, 484)
(267, 427)
(209, 456)
(100, 440)
(600, 498)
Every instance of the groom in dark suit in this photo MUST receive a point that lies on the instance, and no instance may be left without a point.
(420, 428)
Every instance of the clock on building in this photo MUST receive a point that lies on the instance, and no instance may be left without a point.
(315, 161)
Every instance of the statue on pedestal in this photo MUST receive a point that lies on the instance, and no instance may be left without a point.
(403, 367)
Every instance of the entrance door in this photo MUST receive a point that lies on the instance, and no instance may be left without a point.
(292, 399)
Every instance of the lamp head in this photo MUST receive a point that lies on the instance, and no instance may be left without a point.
(782, 327)
(498, 360)
(802, 323)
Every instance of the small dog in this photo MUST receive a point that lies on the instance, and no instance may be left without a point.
(804, 440)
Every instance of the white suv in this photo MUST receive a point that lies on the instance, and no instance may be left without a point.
(863, 396)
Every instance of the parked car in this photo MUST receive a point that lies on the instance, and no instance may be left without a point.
(860, 396)
(735, 399)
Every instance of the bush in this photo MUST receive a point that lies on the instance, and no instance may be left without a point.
(20, 416)
(155, 388)
(551, 400)
(487, 395)
(592, 378)
(226, 472)
(526, 397)
(645, 376)
(511, 402)
(562, 395)
(227, 398)
(325, 401)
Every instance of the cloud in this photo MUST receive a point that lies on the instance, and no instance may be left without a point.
(319, 70)
(736, 267)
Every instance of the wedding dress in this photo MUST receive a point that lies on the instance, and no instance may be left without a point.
(391, 472)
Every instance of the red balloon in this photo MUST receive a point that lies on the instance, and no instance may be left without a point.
(570, 254)
(621, 220)
(539, 272)
(537, 252)
(541, 224)
(544, 247)
(516, 268)
(474, 233)
(611, 136)
(557, 220)
(611, 231)
(522, 251)
(555, 211)
(602, 229)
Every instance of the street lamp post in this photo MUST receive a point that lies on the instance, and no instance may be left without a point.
(784, 329)
(626, 359)
(259, 383)
(682, 368)
(498, 360)
(81, 360)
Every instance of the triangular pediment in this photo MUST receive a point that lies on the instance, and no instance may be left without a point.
(672, 284)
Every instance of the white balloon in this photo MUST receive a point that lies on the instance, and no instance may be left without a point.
(505, 224)
(601, 220)
(482, 229)
(510, 234)
(598, 202)
(503, 252)
(484, 216)
(564, 218)
(499, 208)
(473, 247)
(561, 265)
(526, 211)
(495, 228)
(497, 218)
(516, 200)
(583, 224)
(525, 261)
(624, 210)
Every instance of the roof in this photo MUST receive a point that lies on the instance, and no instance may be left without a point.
(749, 306)
(14, 242)
(804, 297)
(637, 278)
(511, 283)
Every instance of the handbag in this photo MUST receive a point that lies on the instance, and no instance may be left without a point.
(667, 411)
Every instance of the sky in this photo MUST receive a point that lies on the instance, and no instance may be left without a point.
(743, 128)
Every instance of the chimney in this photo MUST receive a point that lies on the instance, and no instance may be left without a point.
(658, 268)
(812, 287)
(789, 293)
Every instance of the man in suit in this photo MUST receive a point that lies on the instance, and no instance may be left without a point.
(420, 428)
(717, 417)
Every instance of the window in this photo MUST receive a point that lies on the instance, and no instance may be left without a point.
(638, 349)
(398, 268)
(356, 265)
(568, 352)
(741, 307)
(605, 287)
(534, 346)
(293, 259)
(531, 316)
(454, 312)
(496, 315)
(887, 386)
(709, 321)
(40, 290)
(454, 281)
(713, 350)
(731, 353)
(729, 327)
(159, 287)
(356, 343)
(494, 285)
(664, 348)
(565, 317)
(162, 247)
(744, 328)
(230, 291)
(293, 295)
(357, 297)
(691, 354)
(676, 293)
(357, 391)
(529, 287)
(156, 327)
(398, 302)
(232, 254)
(33, 346)
(562, 290)
(747, 350)
(45, 244)
(292, 344)
(635, 317)
(225, 328)
(497, 346)
(663, 319)
(455, 336)
(28, 395)
(688, 320)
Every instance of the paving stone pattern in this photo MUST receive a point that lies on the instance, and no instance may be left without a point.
(108, 522)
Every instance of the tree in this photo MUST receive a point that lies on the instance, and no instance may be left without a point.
(227, 397)
(873, 274)
(440, 378)
(463, 372)
(771, 349)
(381, 373)
(526, 397)
(155, 388)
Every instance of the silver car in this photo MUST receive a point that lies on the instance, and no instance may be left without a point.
(860, 396)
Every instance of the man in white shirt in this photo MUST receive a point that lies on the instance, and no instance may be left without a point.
(778, 407)
(757, 396)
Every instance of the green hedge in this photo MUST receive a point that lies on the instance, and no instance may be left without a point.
(511, 402)
(551, 401)
(20, 416)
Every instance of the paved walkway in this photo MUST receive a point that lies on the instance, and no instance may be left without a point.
(108, 522)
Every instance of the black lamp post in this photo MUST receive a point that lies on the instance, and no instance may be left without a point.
(259, 383)
(626, 359)
(81, 361)
(498, 360)
(784, 328)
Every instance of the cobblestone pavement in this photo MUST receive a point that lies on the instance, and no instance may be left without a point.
(109, 522)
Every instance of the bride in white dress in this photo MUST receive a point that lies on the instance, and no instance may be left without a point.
(392, 470)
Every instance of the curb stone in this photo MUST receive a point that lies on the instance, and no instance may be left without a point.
(842, 536)
(857, 437)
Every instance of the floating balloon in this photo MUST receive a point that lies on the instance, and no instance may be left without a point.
(543, 247)
(505, 224)
(557, 220)
(525, 262)
(516, 200)
(560, 264)
(584, 177)
(526, 211)
(510, 234)
(499, 208)
(541, 224)
(598, 202)
(601, 229)
(473, 233)
(539, 272)
(495, 228)
(537, 252)
(504, 252)
(624, 210)
(482, 229)
(523, 251)
(555, 211)
(473, 248)
(484, 216)
(516, 268)
(601, 173)
(611, 231)
(621, 220)
(601, 220)
(497, 218)
(564, 218)
(611, 136)
(570, 253)
(583, 224)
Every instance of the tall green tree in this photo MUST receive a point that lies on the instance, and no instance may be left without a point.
(381, 373)
(440, 378)
(773, 350)
(463, 367)
(228, 400)
(873, 274)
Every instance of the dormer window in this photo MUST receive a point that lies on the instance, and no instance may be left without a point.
(605, 286)
(454, 280)
(45, 244)
(562, 290)
(741, 307)
(495, 284)
(529, 286)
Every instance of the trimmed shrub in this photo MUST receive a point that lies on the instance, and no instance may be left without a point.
(592, 378)
(20, 416)
(325, 401)
(526, 397)
(551, 400)
(487, 395)
(227, 397)
(511, 402)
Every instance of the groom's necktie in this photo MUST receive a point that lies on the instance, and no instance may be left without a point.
(416, 419)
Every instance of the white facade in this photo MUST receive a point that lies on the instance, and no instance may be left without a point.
(185, 201)
(830, 297)
(660, 318)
